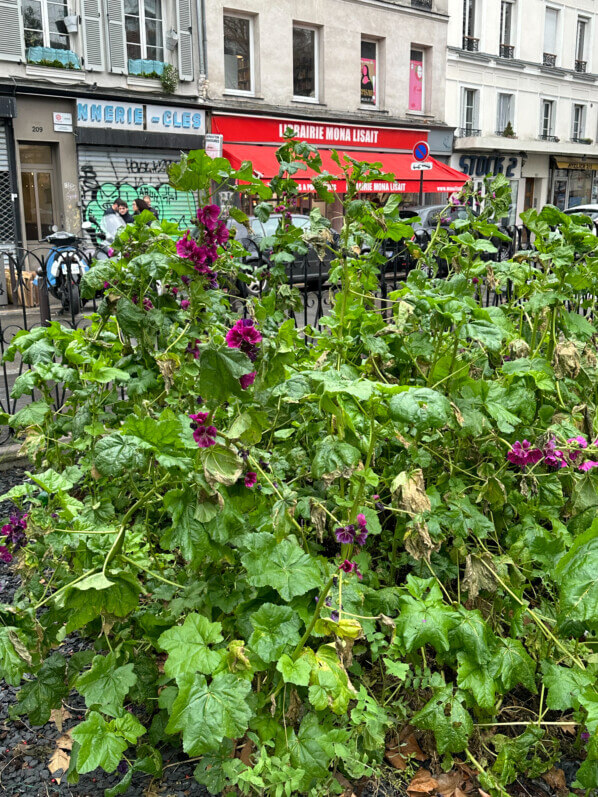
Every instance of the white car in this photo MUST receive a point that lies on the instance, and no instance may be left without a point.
(587, 210)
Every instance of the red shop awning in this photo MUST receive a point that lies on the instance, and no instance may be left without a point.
(440, 179)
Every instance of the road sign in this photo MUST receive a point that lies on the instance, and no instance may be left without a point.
(421, 150)
(416, 166)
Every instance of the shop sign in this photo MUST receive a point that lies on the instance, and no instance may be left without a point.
(166, 119)
(213, 145)
(63, 122)
(585, 166)
(270, 130)
(114, 115)
(481, 165)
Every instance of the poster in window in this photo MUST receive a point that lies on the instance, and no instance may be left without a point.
(416, 81)
(368, 81)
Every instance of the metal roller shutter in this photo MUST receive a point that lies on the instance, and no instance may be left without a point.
(8, 229)
(105, 175)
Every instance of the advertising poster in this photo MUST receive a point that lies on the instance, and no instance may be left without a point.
(416, 81)
(368, 81)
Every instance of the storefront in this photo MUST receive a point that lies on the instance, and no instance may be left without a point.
(478, 165)
(256, 139)
(574, 182)
(125, 150)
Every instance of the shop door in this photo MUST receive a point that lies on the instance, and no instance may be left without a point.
(37, 192)
(106, 175)
(528, 199)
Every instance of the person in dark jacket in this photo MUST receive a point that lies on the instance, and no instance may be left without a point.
(148, 201)
(123, 211)
(139, 205)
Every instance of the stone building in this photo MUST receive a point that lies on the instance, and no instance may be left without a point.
(522, 93)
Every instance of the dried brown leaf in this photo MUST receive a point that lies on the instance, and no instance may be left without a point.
(477, 576)
(448, 783)
(59, 760)
(318, 519)
(406, 748)
(422, 783)
(65, 741)
(58, 716)
(555, 778)
(566, 360)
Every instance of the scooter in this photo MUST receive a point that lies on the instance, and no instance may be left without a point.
(65, 266)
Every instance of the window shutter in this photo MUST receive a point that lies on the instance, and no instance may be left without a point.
(183, 13)
(92, 27)
(11, 46)
(116, 35)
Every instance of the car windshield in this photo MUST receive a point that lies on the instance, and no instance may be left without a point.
(263, 229)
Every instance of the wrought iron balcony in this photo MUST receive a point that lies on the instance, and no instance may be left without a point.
(505, 134)
(581, 140)
(548, 137)
(549, 59)
(466, 132)
(426, 4)
(580, 66)
(471, 44)
(507, 50)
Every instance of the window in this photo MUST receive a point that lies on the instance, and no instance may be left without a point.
(546, 130)
(416, 80)
(506, 28)
(579, 122)
(43, 24)
(305, 63)
(143, 26)
(36, 185)
(469, 112)
(551, 22)
(368, 79)
(238, 54)
(504, 118)
(469, 25)
(580, 44)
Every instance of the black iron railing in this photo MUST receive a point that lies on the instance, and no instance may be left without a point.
(548, 137)
(549, 59)
(580, 66)
(507, 50)
(466, 132)
(505, 135)
(581, 140)
(425, 4)
(471, 44)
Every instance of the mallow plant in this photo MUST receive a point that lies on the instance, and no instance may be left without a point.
(284, 546)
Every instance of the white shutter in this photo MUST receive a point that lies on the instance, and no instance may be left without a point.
(116, 35)
(11, 41)
(183, 13)
(92, 27)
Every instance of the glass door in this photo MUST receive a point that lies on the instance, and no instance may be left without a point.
(37, 178)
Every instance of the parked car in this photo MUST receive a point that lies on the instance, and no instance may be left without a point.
(586, 210)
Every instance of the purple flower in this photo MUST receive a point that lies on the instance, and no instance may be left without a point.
(208, 216)
(5, 554)
(247, 380)
(185, 304)
(362, 537)
(250, 478)
(475, 280)
(185, 279)
(579, 441)
(147, 304)
(585, 737)
(347, 566)
(123, 767)
(221, 235)
(361, 520)
(106, 284)
(334, 616)
(588, 465)
(243, 335)
(110, 251)
(345, 535)
(204, 436)
(522, 454)
(193, 348)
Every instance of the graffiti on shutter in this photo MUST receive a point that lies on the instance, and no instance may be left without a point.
(127, 174)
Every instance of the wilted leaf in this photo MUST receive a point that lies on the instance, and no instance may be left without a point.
(58, 716)
(59, 760)
(407, 748)
(556, 780)
(422, 783)
(477, 576)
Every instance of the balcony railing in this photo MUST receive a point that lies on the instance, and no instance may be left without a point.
(507, 50)
(426, 4)
(471, 44)
(549, 59)
(581, 140)
(505, 134)
(580, 66)
(548, 137)
(466, 132)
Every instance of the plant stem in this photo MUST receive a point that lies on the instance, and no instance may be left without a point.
(65, 586)
(151, 572)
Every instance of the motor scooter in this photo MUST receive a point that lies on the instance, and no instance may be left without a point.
(65, 265)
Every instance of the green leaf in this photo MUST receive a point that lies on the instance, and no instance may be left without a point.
(285, 567)
(12, 664)
(220, 370)
(515, 665)
(396, 668)
(564, 685)
(332, 382)
(208, 713)
(275, 627)
(447, 718)
(157, 434)
(421, 408)
(186, 533)
(33, 414)
(294, 672)
(131, 318)
(222, 465)
(129, 727)
(422, 623)
(188, 648)
(513, 754)
(52, 482)
(116, 453)
(310, 748)
(88, 599)
(100, 745)
(576, 575)
(488, 333)
(333, 455)
(478, 679)
(106, 684)
(39, 696)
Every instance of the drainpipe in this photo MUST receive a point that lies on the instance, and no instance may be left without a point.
(203, 56)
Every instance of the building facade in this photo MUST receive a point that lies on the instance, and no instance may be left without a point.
(522, 93)
(97, 98)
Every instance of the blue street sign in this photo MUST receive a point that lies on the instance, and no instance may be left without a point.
(421, 151)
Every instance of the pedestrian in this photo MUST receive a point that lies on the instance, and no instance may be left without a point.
(123, 211)
(147, 199)
(114, 219)
(139, 205)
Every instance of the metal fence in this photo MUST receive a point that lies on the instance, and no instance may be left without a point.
(35, 305)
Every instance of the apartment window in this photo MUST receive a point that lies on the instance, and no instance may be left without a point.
(416, 80)
(506, 28)
(305, 63)
(238, 54)
(143, 26)
(504, 118)
(580, 44)
(551, 22)
(469, 25)
(470, 112)
(36, 186)
(547, 124)
(579, 122)
(43, 24)
(368, 78)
